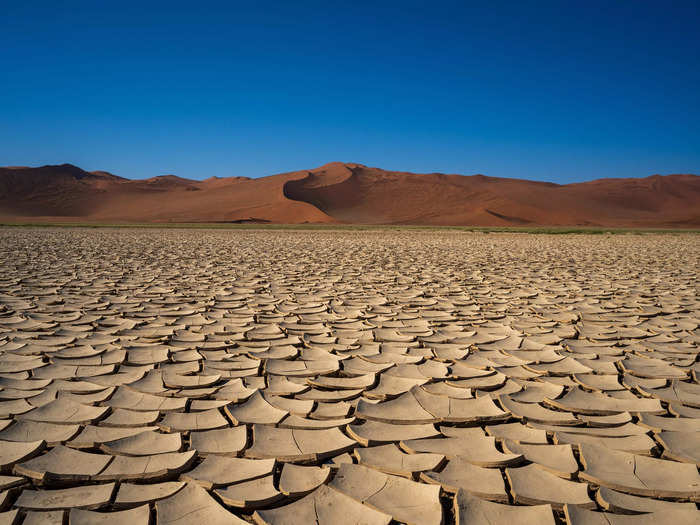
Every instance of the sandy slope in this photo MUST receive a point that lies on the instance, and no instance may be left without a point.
(73, 194)
(351, 193)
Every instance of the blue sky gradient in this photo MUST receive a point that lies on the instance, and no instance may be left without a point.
(557, 91)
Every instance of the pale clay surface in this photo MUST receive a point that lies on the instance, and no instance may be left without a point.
(230, 376)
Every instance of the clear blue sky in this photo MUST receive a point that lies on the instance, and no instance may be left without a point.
(560, 91)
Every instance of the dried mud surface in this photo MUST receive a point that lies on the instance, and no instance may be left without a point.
(201, 376)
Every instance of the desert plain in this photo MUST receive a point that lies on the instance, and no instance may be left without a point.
(184, 376)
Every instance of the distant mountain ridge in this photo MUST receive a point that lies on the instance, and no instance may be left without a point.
(347, 193)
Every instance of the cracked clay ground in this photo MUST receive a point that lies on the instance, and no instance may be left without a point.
(171, 376)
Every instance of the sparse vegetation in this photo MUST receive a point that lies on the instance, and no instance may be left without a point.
(548, 230)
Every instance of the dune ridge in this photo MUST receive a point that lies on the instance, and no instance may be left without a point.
(347, 193)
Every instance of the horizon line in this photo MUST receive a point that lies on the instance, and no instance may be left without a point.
(354, 164)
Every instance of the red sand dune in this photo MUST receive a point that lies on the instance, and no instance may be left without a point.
(347, 193)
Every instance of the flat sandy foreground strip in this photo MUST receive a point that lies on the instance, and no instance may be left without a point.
(290, 377)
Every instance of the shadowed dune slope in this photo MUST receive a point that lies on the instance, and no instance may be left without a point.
(349, 193)
(69, 193)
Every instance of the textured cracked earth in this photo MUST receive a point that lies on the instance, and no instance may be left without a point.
(194, 376)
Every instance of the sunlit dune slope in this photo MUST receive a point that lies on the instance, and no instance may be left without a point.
(348, 193)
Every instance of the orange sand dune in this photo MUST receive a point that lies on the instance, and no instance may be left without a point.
(348, 193)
